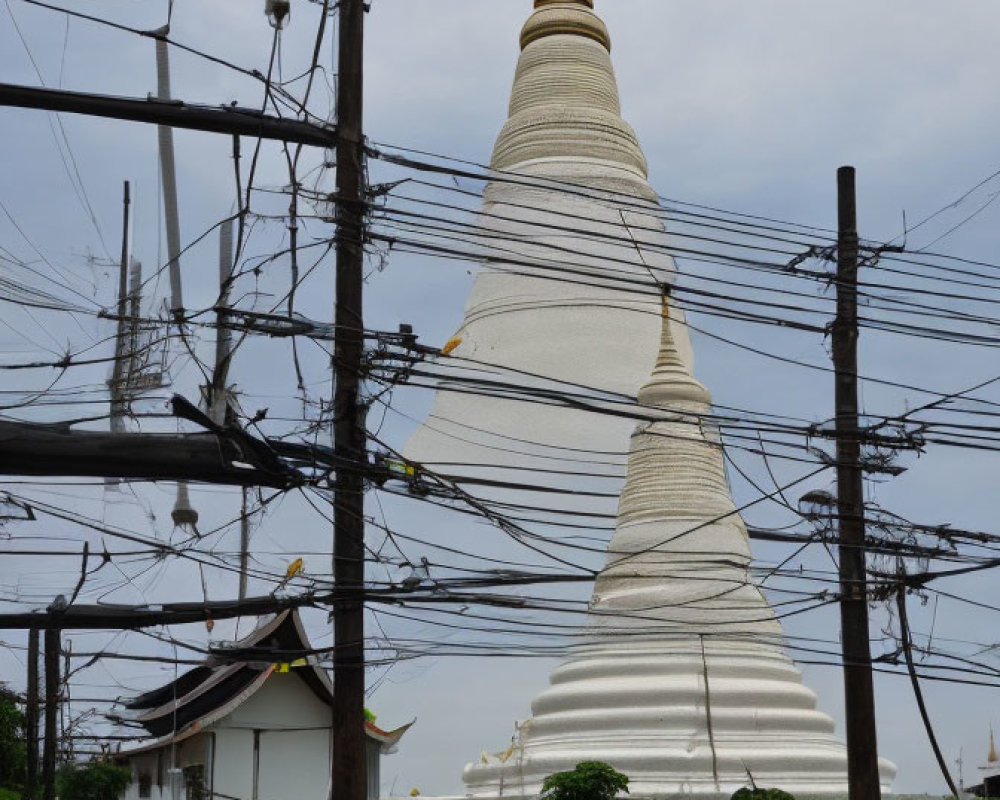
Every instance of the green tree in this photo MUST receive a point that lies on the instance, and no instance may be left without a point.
(94, 781)
(747, 793)
(591, 780)
(13, 752)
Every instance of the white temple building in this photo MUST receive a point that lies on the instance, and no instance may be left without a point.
(682, 681)
(235, 728)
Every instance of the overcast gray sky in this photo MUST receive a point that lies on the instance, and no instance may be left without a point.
(749, 106)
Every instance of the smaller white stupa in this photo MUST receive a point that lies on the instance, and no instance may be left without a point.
(682, 682)
(990, 785)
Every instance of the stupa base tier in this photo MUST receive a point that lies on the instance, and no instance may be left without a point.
(680, 766)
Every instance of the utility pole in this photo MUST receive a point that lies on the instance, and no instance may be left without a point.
(184, 514)
(244, 542)
(168, 178)
(134, 360)
(119, 369)
(859, 695)
(65, 710)
(51, 713)
(218, 395)
(349, 780)
(31, 720)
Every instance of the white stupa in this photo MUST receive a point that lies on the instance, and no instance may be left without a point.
(575, 293)
(682, 682)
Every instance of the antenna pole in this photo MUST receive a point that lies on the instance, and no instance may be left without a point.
(349, 763)
(859, 694)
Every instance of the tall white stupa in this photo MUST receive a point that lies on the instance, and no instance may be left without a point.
(682, 681)
(577, 257)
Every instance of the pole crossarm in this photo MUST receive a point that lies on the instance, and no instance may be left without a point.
(112, 617)
(232, 120)
(103, 616)
(28, 448)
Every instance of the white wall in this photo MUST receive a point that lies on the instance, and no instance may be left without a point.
(294, 742)
(294, 765)
(294, 748)
(233, 763)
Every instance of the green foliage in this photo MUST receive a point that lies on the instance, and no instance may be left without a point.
(746, 793)
(13, 752)
(9, 794)
(591, 780)
(95, 781)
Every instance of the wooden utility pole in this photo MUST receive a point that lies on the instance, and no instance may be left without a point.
(859, 695)
(31, 720)
(51, 713)
(349, 780)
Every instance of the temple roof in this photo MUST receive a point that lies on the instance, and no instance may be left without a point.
(231, 676)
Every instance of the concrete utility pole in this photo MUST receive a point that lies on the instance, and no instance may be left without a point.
(119, 400)
(51, 713)
(859, 695)
(30, 791)
(168, 179)
(218, 394)
(349, 780)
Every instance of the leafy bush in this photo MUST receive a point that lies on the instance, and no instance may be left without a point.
(13, 753)
(747, 793)
(95, 781)
(591, 780)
